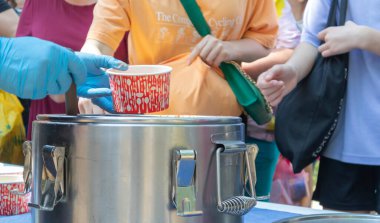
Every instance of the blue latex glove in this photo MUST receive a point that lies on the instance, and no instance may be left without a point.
(97, 86)
(33, 68)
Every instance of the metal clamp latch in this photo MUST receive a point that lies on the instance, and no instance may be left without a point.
(27, 174)
(52, 183)
(184, 183)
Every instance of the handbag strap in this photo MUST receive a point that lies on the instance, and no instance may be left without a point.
(343, 12)
(332, 18)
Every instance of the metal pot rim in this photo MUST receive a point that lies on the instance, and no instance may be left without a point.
(143, 119)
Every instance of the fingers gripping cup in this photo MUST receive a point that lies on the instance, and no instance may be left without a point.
(140, 89)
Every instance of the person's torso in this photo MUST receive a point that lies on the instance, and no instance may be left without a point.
(61, 22)
(164, 24)
(357, 137)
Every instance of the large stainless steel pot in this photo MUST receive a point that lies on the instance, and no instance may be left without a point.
(138, 169)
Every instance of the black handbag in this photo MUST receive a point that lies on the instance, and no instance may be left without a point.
(306, 118)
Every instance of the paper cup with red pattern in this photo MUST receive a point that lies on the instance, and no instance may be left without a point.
(140, 89)
(12, 204)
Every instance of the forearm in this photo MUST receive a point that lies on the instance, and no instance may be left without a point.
(95, 47)
(370, 39)
(303, 59)
(8, 25)
(277, 56)
(246, 50)
(57, 98)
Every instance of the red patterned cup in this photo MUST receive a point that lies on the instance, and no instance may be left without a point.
(12, 204)
(140, 89)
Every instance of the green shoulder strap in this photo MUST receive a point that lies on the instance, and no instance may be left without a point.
(195, 14)
(247, 94)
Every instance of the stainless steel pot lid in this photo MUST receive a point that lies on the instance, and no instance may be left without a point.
(333, 218)
(142, 119)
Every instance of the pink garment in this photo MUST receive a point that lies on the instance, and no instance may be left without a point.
(64, 24)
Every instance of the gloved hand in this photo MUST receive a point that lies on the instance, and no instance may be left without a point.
(97, 87)
(33, 68)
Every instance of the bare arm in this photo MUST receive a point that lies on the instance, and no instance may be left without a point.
(343, 39)
(371, 40)
(96, 47)
(241, 50)
(277, 56)
(214, 51)
(303, 60)
(281, 79)
(8, 23)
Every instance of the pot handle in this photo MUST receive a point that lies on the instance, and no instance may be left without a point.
(237, 205)
(27, 174)
(71, 100)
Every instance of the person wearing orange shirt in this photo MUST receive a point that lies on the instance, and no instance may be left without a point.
(159, 30)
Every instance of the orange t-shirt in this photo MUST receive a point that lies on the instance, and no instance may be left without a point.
(161, 29)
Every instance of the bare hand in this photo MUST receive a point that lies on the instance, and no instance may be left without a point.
(87, 107)
(212, 51)
(277, 82)
(338, 40)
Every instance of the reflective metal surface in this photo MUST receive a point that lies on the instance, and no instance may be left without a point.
(333, 218)
(52, 182)
(184, 198)
(120, 168)
(142, 119)
(235, 205)
(27, 173)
